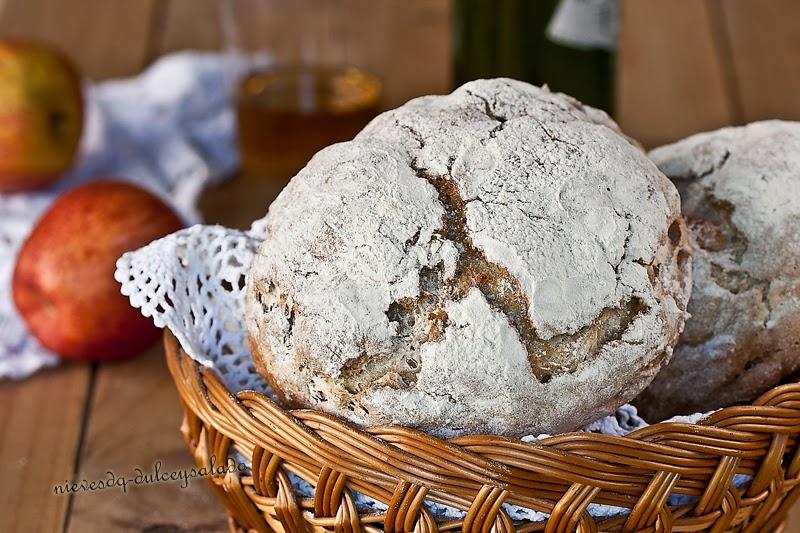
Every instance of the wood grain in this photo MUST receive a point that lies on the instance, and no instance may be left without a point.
(134, 421)
(670, 77)
(239, 201)
(134, 417)
(406, 44)
(40, 427)
(189, 25)
(763, 41)
(792, 523)
(102, 36)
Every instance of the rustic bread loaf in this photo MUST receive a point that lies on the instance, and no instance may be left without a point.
(740, 190)
(497, 260)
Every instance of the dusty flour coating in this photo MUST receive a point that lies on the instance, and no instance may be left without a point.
(495, 260)
(741, 198)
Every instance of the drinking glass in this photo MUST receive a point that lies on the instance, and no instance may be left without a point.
(307, 93)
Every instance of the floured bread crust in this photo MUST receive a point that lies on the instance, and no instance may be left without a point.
(741, 198)
(497, 260)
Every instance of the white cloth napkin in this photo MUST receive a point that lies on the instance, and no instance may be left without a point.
(585, 24)
(169, 130)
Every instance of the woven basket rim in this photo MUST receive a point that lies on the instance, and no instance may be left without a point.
(559, 475)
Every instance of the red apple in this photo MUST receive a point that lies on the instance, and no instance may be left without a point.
(63, 283)
(41, 115)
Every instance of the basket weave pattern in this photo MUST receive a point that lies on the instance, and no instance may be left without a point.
(560, 475)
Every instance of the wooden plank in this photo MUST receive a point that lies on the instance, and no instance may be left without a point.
(134, 421)
(406, 44)
(764, 45)
(42, 418)
(189, 24)
(102, 36)
(238, 202)
(670, 78)
(135, 417)
(40, 428)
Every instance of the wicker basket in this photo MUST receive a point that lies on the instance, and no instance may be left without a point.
(561, 475)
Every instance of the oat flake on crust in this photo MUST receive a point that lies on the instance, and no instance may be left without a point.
(498, 260)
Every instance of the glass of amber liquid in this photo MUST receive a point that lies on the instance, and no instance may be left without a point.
(287, 113)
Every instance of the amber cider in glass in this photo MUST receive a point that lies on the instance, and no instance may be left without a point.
(286, 114)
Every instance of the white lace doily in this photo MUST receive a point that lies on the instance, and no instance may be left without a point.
(192, 282)
(169, 130)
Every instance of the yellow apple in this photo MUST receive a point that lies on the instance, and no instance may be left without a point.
(41, 115)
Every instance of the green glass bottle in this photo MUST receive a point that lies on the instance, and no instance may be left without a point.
(507, 38)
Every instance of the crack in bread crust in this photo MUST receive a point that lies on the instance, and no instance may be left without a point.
(503, 292)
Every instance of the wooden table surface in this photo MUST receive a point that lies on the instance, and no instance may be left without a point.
(79, 421)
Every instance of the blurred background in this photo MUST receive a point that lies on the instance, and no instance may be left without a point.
(681, 66)
(664, 70)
